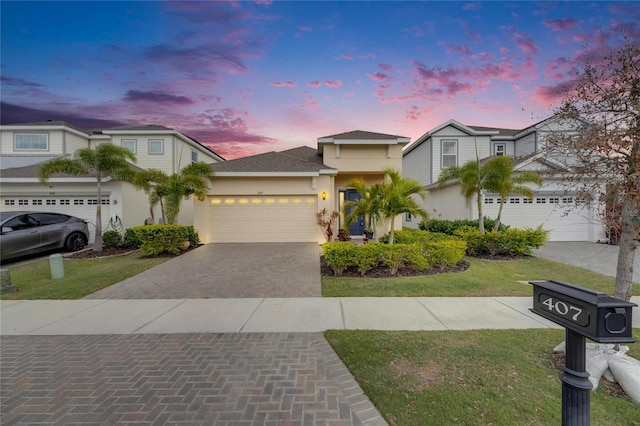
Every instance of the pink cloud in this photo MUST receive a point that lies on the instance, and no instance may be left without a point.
(347, 57)
(564, 24)
(378, 76)
(413, 113)
(333, 84)
(522, 40)
(287, 83)
(315, 84)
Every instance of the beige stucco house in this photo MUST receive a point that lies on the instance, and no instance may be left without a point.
(274, 197)
(25, 147)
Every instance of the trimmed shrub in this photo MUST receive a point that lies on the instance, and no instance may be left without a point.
(408, 236)
(398, 256)
(130, 239)
(450, 227)
(511, 242)
(340, 256)
(159, 239)
(442, 254)
(111, 239)
(192, 237)
(368, 256)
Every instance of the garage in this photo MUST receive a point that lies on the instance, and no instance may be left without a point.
(558, 214)
(74, 205)
(261, 218)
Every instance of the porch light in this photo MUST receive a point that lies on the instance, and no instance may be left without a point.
(324, 195)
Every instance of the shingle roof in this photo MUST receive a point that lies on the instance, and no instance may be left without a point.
(501, 132)
(361, 134)
(301, 159)
(141, 127)
(31, 171)
(53, 123)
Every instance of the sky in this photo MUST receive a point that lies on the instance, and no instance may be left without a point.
(249, 77)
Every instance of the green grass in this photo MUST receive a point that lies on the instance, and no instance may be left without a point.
(483, 278)
(82, 277)
(480, 377)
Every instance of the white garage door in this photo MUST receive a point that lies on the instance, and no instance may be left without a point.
(287, 218)
(79, 206)
(555, 213)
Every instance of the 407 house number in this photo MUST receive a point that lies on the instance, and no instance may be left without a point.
(565, 310)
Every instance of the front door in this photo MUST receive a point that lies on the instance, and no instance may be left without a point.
(357, 227)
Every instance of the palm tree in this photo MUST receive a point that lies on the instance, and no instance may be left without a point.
(368, 206)
(471, 183)
(397, 198)
(106, 160)
(501, 179)
(170, 190)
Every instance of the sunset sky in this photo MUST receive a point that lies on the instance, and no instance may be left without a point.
(249, 77)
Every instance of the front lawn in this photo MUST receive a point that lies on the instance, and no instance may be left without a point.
(477, 377)
(483, 278)
(82, 277)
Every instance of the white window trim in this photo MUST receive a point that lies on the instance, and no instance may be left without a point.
(442, 154)
(504, 149)
(194, 153)
(135, 144)
(162, 145)
(15, 141)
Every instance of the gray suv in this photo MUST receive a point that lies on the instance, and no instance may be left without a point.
(25, 233)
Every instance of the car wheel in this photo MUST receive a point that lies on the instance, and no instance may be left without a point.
(75, 242)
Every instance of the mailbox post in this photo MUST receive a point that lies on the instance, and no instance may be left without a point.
(584, 313)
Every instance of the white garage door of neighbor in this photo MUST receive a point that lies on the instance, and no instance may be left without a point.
(79, 206)
(556, 214)
(260, 219)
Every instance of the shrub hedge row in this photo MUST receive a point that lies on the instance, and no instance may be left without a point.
(160, 239)
(511, 242)
(450, 227)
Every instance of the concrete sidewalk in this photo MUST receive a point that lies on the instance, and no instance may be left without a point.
(267, 315)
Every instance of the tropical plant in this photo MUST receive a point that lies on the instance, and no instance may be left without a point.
(398, 198)
(499, 177)
(369, 206)
(106, 160)
(170, 190)
(471, 184)
(326, 221)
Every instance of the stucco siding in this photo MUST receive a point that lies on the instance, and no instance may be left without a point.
(363, 158)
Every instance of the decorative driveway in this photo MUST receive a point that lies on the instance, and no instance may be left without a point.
(227, 271)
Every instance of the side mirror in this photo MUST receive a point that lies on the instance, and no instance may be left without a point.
(6, 229)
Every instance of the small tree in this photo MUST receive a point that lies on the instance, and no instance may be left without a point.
(471, 184)
(499, 177)
(106, 160)
(368, 206)
(170, 190)
(603, 103)
(397, 198)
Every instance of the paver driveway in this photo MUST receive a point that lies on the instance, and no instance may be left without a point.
(228, 271)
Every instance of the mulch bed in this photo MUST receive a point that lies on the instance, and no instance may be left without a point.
(381, 272)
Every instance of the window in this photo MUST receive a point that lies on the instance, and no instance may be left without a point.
(194, 156)
(92, 202)
(31, 142)
(488, 200)
(499, 149)
(541, 200)
(23, 202)
(130, 144)
(51, 202)
(408, 217)
(527, 201)
(78, 202)
(64, 202)
(554, 200)
(36, 202)
(449, 153)
(499, 200)
(156, 146)
(514, 200)
(49, 218)
(9, 202)
(567, 200)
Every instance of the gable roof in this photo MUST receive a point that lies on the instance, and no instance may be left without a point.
(361, 134)
(30, 172)
(301, 161)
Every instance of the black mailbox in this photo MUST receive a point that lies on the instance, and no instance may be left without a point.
(591, 313)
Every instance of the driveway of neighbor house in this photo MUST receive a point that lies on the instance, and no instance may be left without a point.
(228, 271)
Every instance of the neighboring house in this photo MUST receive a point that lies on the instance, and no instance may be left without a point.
(553, 206)
(274, 197)
(25, 147)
